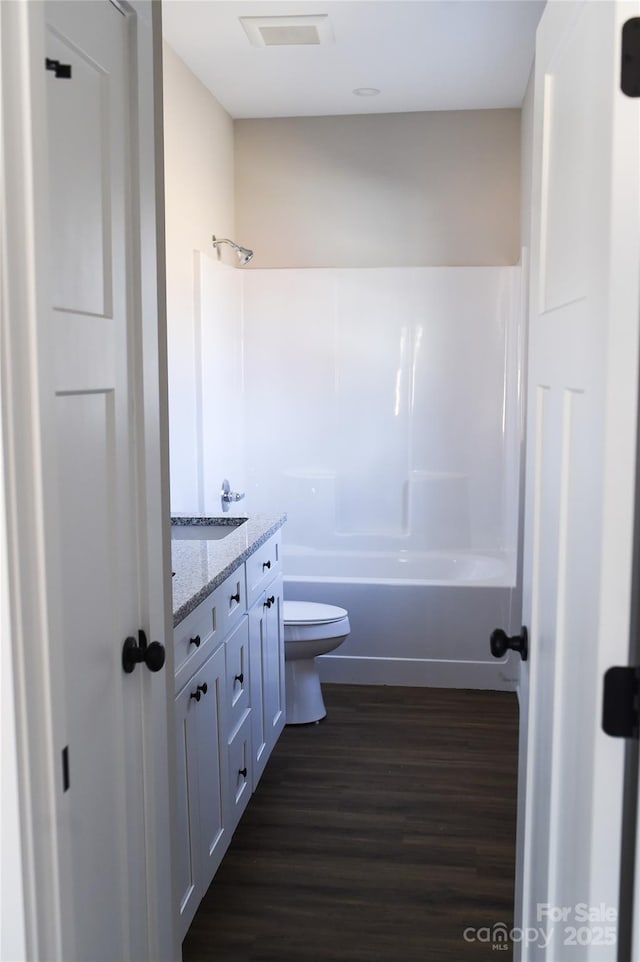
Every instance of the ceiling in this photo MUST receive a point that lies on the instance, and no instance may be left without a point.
(434, 55)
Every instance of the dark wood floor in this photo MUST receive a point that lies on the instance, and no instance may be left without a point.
(380, 834)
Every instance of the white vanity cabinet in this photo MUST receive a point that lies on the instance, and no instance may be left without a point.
(229, 710)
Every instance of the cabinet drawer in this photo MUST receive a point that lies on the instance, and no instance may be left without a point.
(203, 630)
(240, 778)
(262, 567)
(196, 637)
(237, 668)
(233, 599)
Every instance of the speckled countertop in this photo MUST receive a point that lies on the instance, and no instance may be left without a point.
(200, 566)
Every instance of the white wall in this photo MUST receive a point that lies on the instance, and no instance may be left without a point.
(219, 352)
(199, 186)
(526, 153)
(377, 406)
(392, 189)
(381, 190)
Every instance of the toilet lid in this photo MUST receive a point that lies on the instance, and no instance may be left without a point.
(311, 613)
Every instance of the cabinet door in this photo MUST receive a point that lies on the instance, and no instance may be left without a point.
(202, 781)
(266, 646)
(262, 566)
(273, 692)
(238, 676)
(212, 763)
(240, 772)
(258, 656)
(188, 864)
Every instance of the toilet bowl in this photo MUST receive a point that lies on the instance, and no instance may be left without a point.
(310, 629)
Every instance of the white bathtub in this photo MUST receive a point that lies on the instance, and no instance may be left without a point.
(416, 618)
(393, 567)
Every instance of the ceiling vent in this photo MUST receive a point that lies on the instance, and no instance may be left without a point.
(288, 31)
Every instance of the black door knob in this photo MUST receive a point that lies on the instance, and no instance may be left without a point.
(500, 643)
(134, 654)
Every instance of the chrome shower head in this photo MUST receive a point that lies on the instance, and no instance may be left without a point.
(243, 254)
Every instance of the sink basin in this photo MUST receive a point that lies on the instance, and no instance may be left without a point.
(213, 530)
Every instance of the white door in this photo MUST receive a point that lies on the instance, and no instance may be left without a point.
(581, 466)
(95, 373)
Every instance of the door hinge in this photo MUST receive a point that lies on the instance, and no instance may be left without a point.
(65, 769)
(61, 70)
(620, 715)
(630, 58)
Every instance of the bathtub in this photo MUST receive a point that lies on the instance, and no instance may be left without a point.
(417, 618)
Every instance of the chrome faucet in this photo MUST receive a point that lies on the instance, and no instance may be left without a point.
(227, 496)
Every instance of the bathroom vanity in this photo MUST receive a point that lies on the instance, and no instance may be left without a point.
(229, 682)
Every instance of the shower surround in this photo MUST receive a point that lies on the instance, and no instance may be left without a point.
(381, 409)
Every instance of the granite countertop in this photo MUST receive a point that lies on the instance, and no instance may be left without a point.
(200, 566)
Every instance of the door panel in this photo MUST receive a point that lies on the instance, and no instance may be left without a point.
(80, 165)
(565, 197)
(94, 709)
(100, 534)
(583, 363)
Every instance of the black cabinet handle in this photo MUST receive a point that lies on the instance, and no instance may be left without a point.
(133, 654)
(243, 772)
(500, 643)
(270, 601)
(196, 694)
(239, 678)
(267, 564)
(195, 641)
(236, 597)
(203, 688)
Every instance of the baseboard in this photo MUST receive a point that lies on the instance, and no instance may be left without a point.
(415, 672)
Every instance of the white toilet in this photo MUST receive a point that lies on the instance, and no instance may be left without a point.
(310, 629)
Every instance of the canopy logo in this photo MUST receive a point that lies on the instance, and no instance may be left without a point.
(499, 936)
(575, 925)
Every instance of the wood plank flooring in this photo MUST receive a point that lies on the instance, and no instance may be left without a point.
(380, 834)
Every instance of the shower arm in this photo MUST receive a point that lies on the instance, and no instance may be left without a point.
(224, 240)
(244, 254)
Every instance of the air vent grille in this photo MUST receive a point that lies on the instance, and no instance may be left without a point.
(279, 36)
(288, 31)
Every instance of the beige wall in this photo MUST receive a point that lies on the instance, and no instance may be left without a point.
(199, 176)
(410, 189)
(526, 150)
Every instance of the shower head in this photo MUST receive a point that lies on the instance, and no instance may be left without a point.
(243, 254)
